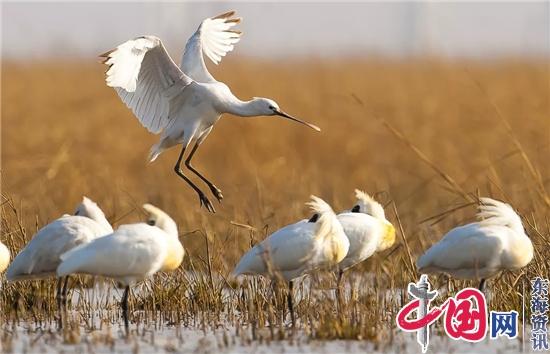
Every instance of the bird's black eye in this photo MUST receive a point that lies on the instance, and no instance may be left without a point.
(151, 222)
(272, 108)
(355, 209)
(314, 218)
(77, 212)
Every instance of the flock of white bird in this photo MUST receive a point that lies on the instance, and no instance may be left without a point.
(183, 103)
(85, 243)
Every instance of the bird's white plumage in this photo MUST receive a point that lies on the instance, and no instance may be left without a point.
(215, 38)
(146, 79)
(41, 256)
(367, 229)
(364, 233)
(182, 104)
(369, 205)
(131, 253)
(482, 249)
(4, 257)
(298, 248)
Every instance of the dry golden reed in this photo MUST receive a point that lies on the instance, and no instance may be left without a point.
(424, 136)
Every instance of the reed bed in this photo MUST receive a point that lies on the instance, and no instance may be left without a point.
(426, 137)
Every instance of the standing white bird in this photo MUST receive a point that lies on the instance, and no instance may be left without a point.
(183, 103)
(130, 254)
(4, 257)
(298, 248)
(482, 249)
(367, 229)
(41, 256)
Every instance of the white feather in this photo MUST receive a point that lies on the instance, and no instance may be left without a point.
(4, 257)
(366, 230)
(131, 253)
(41, 256)
(146, 79)
(298, 248)
(215, 38)
(182, 104)
(481, 249)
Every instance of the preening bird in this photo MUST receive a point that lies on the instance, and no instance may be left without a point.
(4, 257)
(183, 103)
(482, 249)
(367, 229)
(132, 253)
(41, 256)
(298, 248)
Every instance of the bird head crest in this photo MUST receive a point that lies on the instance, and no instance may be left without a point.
(160, 219)
(369, 205)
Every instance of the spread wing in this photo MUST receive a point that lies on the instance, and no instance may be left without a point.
(146, 79)
(215, 39)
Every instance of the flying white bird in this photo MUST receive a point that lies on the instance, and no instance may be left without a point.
(367, 229)
(4, 257)
(130, 254)
(298, 248)
(41, 256)
(482, 249)
(182, 103)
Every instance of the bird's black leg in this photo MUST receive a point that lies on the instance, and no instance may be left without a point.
(339, 287)
(482, 285)
(215, 190)
(290, 305)
(124, 305)
(203, 199)
(59, 300)
(64, 293)
(58, 294)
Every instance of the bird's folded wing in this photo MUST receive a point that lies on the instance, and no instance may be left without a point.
(288, 249)
(215, 39)
(146, 79)
(465, 247)
(126, 252)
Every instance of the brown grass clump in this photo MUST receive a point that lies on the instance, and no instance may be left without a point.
(426, 136)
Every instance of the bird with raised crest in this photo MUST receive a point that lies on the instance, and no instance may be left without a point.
(482, 249)
(183, 103)
(132, 253)
(297, 249)
(368, 232)
(40, 258)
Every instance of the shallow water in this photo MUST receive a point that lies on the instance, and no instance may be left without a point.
(103, 333)
(28, 339)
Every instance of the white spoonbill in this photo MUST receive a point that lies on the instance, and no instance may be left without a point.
(367, 229)
(482, 249)
(132, 253)
(183, 103)
(298, 248)
(4, 257)
(41, 256)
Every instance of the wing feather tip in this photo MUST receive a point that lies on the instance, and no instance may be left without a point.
(234, 20)
(237, 32)
(224, 15)
(106, 54)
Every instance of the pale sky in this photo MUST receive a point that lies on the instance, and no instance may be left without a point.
(470, 29)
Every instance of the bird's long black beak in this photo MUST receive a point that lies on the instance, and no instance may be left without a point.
(288, 116)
